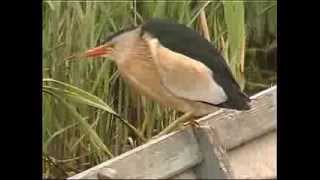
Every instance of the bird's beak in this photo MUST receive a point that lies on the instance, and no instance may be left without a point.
(100, 51)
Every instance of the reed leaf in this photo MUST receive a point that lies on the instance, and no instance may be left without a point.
(234, 19)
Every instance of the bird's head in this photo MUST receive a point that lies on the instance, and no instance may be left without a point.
(114, 45)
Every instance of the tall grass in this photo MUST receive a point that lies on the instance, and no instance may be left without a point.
(90, 114)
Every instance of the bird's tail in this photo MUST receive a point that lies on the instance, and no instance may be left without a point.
(240, 101)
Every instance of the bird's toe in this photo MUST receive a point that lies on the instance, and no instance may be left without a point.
(193, 123)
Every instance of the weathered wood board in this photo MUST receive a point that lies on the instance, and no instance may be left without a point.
(161, 158)
(256, 159)
(237, 127)
(181, 153)
(215, 162)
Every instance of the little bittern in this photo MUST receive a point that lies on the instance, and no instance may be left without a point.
(175, 66)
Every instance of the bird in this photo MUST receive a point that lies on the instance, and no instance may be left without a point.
(175, 66)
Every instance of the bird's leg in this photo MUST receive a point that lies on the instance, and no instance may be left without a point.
(175, 123)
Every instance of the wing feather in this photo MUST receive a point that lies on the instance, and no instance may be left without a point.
(183, 76)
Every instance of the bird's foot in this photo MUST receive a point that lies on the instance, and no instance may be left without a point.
(193, 123)
(174, 124)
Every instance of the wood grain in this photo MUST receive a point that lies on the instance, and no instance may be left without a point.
(256, 159)
(237, 127)
(161, 158)
(215, 162)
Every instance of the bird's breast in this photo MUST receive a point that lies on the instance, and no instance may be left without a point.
(138, 69)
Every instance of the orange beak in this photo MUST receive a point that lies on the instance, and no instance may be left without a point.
(103, 50)
(98, 51)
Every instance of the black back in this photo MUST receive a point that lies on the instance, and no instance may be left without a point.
(181, 39)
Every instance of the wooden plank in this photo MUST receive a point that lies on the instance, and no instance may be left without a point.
(238, 127)
(215, 164)
(173, 154)
(256, 159)
(160, 158)
(188, 174)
